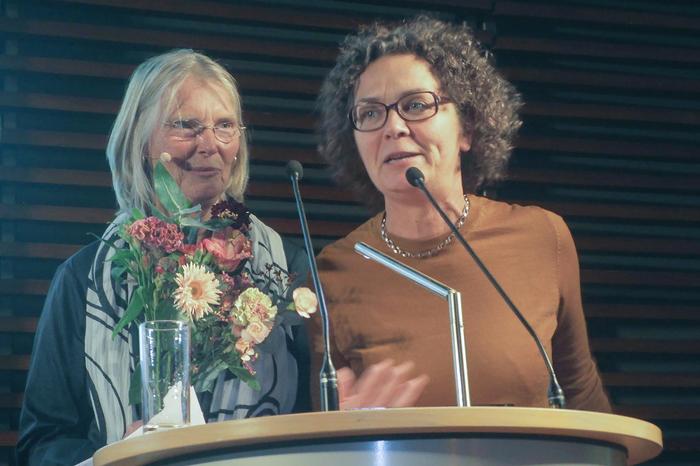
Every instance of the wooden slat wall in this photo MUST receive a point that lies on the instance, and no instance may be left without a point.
(609, 142)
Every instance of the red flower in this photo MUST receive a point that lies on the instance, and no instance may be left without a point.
(156, 233)
(234, 211)
(190, 249)
(229, 247)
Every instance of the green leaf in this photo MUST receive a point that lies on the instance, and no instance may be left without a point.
(96, 236)
(191, 210)
(158, 214)
(166, 310)
(217, 223)
(193, 222)
(117, 272)
(135, 385)
(168, 192)
(205, 381)
(132, 311)
(107, 242)
(136, 214)
(122, 255)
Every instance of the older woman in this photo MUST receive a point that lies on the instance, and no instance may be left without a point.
(185, 109)
(424, 94)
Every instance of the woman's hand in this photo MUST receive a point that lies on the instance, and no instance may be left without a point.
(382, 385)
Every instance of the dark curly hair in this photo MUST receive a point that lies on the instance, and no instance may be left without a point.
(487, 103)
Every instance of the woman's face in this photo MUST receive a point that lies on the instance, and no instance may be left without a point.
(201, 165)
(432, 145)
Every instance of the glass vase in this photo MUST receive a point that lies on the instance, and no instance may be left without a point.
(165, 374)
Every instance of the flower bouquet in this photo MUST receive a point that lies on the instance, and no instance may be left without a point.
(185, 268)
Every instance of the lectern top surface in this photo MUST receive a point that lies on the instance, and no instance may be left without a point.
(642, 440)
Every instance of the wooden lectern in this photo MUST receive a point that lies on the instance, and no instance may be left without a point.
(407, 437)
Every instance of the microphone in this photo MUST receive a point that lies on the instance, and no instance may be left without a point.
(327, 376)
(166, 157)
(555, 394)
(454, 302)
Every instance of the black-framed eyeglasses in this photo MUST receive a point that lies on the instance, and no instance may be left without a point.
(188, 130)
(416, 106)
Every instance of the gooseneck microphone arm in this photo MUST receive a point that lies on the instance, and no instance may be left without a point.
(454, 302)
(555, 394)
(327, 375)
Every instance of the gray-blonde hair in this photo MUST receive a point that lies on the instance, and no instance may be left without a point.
(487, 103)
(150, 95)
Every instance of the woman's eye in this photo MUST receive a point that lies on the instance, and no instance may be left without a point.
(368, 114)
(185, 124)
(415, 106)
(226, 125)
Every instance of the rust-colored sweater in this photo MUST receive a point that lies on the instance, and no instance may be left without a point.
(377, 314)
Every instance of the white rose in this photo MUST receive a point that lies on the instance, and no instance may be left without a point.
(305, 301)
(255, 331)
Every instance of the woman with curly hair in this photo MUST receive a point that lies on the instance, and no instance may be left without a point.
(424, 94)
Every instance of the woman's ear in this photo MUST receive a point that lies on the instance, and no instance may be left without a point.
(465, 143)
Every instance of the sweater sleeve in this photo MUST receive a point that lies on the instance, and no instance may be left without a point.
(57, 424)
(572, 359)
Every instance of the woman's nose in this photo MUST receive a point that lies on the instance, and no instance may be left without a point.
(206, 141)
(395, 126)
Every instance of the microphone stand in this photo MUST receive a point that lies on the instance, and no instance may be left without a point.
(555, 394)
(327, 376)
(454, 301)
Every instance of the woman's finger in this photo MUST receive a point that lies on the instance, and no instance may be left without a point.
(346, 381)
(371, 383)
(381, 385)
(392, 385)
(410, 391)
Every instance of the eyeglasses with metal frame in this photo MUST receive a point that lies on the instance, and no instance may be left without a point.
(188, 130)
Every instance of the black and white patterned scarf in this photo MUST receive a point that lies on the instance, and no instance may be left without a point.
(110, 361)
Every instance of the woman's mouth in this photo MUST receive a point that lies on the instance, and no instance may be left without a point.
(399, 156)
(204, 170)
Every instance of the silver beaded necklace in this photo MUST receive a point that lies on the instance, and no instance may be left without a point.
(428, 252)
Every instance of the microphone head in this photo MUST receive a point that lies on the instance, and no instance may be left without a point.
(294, 168)
(415, 177)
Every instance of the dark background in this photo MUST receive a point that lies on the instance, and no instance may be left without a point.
(609, 142)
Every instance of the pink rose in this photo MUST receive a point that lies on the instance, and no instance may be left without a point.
(228, 252)
(190, 249)
(245, 349)
(255, 331)
(305, 301)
